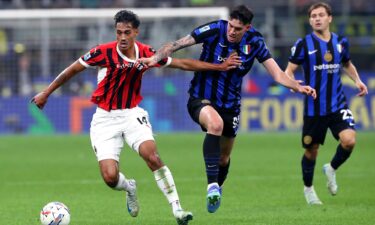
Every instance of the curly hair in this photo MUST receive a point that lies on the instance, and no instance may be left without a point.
(126, 16)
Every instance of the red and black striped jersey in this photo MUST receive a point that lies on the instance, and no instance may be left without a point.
(119, 78)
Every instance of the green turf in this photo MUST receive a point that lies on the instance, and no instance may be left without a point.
(264, 185)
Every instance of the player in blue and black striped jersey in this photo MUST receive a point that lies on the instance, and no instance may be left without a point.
(321, 54)
(215, 97)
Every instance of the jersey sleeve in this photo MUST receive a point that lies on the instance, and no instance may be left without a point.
(203, 32)
(297, 53)
(263, 53)
(93, 58)
(344, 44)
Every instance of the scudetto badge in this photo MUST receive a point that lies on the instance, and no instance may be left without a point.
(307, 139)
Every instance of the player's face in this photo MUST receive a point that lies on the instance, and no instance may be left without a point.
(319, 19)
(236, 29)
(125, 35)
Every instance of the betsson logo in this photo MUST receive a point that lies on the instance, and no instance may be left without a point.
(327, 67)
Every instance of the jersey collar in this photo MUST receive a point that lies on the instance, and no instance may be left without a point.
(126, 58)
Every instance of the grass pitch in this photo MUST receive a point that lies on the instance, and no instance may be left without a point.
(264, 186)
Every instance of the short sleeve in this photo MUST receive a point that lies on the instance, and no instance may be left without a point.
(297, 53)
(93, 58)
(203, 32)
(344, 44)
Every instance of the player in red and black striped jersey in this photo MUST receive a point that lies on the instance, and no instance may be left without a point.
(118, 118)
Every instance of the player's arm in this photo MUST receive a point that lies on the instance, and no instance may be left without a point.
(353, 74)
(291, 69)
(232, 62)
(167, 49)
(282, 78)
(41, 98)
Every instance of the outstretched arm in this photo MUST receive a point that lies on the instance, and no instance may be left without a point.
(232, 62)
(282, 78)
(41, 98)
(353, 74)
(167, 49)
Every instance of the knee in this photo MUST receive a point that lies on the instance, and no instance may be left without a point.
(348, 143)
(216, 127)
(110, 178)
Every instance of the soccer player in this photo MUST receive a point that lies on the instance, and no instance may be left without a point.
(118, 117)
(321, 54)
(215, 96)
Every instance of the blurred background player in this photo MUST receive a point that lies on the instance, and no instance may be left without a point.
(321, 54)
(118, 117)
(215, 96)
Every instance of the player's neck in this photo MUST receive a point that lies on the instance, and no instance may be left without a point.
(325, 35)
(130, 53)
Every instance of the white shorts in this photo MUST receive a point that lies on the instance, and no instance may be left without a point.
(109, 130)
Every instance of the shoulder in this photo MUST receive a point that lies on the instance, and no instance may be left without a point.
(253, 35)
(145, 50)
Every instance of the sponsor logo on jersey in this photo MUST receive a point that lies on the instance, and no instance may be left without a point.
(312, 52)
(332, 68)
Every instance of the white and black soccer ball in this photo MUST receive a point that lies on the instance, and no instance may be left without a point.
(55, 213)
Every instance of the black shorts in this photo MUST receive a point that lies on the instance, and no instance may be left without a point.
(230, 118)
(315, 127)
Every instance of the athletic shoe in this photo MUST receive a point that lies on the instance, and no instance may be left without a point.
(311, 197)
(131, 199)
(213, 197)
(182, 217)
(331, 178)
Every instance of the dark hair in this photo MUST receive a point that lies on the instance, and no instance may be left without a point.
(318, 5)
(126, 16)
(242, 13)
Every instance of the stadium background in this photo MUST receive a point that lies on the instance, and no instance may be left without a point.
(36, 46)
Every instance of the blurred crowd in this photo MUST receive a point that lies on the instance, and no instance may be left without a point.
(22, 70)
(355, 6)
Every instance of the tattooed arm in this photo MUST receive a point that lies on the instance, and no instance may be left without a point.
(168, 49)
(41, 98)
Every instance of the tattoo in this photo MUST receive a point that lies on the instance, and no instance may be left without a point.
(171, 47)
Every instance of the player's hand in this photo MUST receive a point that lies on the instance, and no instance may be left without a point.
(232, 62)
(300, 82)
(40, 99)
(151, 61)
(362, 88)
(307, 90)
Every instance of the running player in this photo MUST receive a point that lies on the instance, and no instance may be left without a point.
(118, 117)
(215, 97)
(321, 54)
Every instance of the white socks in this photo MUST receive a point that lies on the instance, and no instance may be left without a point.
(123, 183)
(165, 182)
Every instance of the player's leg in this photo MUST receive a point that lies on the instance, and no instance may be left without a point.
(210, 121)
(226, 146)
(107, 142)
(342, 129)
(139, 136)
(231, 123)
(313, 134)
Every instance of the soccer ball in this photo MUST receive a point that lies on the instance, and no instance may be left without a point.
(55, 213)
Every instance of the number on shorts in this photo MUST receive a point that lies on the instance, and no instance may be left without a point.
(236, 121)
(142, 120)
(346, 114)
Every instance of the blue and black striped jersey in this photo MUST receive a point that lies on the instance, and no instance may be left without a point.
(321, 63)
(223, 89)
